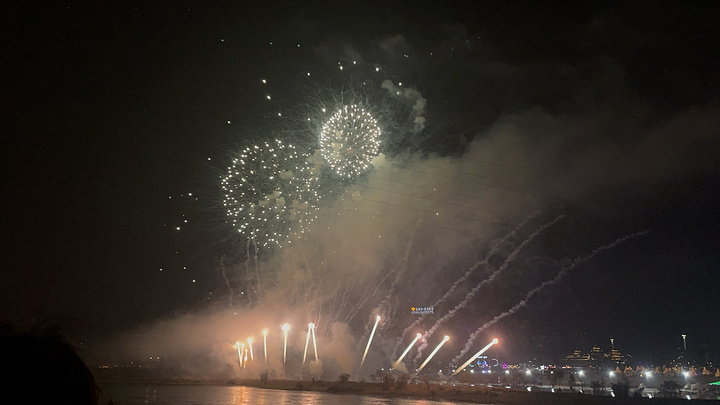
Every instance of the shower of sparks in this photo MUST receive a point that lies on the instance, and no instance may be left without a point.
(270, 193)
(349, 141)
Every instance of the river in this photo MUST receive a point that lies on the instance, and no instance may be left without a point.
(136, 394)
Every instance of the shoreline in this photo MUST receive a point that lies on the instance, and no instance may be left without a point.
(432, 392)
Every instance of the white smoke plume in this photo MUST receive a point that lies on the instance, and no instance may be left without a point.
(486, 281)
(544, 284)
(493, 250)
(413, 97)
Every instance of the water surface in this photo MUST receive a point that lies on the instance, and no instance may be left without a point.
(136, 394)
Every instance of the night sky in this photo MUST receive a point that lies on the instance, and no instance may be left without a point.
(115, 111)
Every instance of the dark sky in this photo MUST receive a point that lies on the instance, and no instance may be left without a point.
(110, 108)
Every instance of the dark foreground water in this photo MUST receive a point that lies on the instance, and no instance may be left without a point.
(136, 394)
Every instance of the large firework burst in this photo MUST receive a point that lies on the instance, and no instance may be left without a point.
(349, 141)
(270, 193)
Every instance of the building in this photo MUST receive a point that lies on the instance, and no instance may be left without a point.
(596, 358)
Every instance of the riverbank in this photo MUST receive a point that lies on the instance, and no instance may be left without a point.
(433, 392)
(477, 395)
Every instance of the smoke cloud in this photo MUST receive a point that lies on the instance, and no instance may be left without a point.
(413, 230)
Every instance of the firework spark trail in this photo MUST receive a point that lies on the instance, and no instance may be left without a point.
(377, 320)
(544, 284)
(252, 356)
(401, 271)
(247, 261)
(402, 356)
(424, 363)
(257, 274)
(227, 281)
(380, 284)
(315, 344)
(237, 345)
(493, 250)
(307, 340)
(285, 329)
(365, 297)
(475, 356)
(318, 303)
(490, 253)
(395, 282)
(332, 306)
(242, 350)
(490, 278)
(346, 294)
(264, 333)
(399, 274)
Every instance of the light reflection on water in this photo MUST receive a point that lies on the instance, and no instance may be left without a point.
(137, 394)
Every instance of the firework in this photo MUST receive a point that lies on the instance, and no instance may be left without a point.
(307, 340)
(475, 356)
(242, 350)
(270, 193)
(544, 284)
(402, 356)
(264, 333)
(250, 341)
(377, 320)
(237, 345)
(349, 141)
(471, 294)
(285, 329)
(445, 339)
(312, 328)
